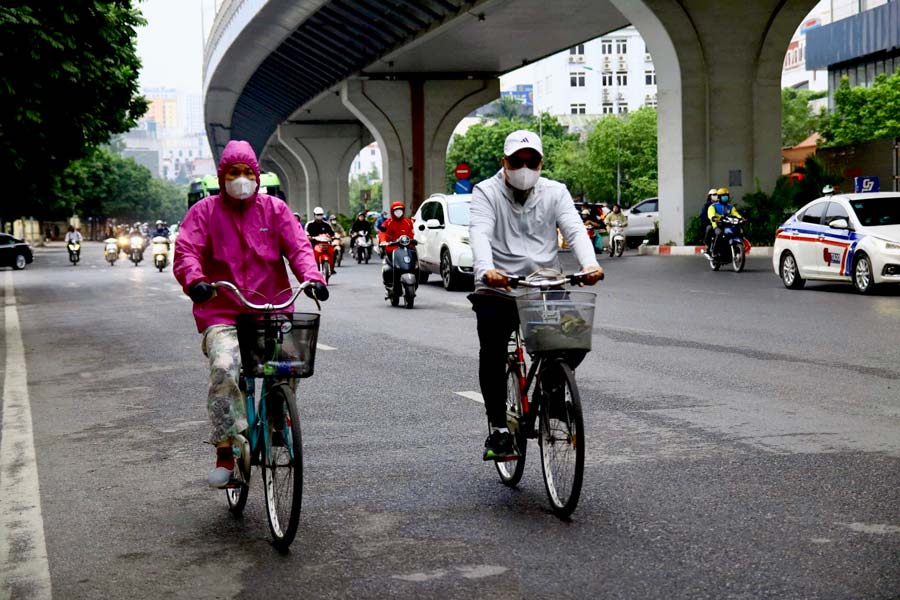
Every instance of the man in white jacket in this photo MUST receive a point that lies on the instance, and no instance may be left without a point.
(512, 230)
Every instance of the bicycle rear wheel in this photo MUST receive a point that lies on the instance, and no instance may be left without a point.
(561, 437)
(282, 466)
(510, 471)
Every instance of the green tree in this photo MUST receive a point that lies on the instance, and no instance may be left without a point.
(864, 114)
(68, 80)
(365, 182)
(797, 120)
(506, 107)
(623, 146)
(482, 145)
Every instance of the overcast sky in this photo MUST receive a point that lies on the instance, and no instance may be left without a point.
(171, 45)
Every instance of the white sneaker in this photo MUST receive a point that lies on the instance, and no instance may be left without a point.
(218, 477)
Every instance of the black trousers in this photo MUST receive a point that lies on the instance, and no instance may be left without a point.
(497, 318)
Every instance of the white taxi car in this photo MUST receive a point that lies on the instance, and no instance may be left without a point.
(847, 237)
(442, 240)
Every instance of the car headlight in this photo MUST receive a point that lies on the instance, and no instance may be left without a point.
(464, 239)
(891, 246)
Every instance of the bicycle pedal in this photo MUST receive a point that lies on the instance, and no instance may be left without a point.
(233, 483)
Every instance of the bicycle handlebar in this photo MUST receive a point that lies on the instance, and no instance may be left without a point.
(573, 279)
(268, 307)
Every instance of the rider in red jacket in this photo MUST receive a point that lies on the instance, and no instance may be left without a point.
(397, 225)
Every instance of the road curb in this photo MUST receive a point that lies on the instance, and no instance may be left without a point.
(646, 250)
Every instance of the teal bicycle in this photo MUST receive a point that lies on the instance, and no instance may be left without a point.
(277, 348)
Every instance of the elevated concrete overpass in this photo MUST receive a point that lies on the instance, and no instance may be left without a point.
(311, 82)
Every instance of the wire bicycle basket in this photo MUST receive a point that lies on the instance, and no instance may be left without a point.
(555, 320)
(278, 345)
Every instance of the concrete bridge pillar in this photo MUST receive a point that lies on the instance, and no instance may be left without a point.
(412, 119)
(325, 150)
(718, 68)
(291, 174)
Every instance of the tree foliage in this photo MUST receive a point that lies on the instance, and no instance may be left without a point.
(365, 182)
(863, 114)
(68, 80)
(798, 121)
(106, 185)
(625, 145)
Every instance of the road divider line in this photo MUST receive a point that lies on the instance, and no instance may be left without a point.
(23, 551)
(324, 347)
(476, 396)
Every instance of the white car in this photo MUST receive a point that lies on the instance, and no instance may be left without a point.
(642, 218)
(850, 237)
(442, 240)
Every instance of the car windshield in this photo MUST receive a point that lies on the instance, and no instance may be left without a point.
(875, 212)
(459, 213)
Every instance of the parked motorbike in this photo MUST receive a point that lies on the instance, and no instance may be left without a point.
(74, 248)
(111, 250)
(324, 253)
(400, 272)
(160, 252)
(362, 247)
(729, 245)
(136, 249)
(616, 240)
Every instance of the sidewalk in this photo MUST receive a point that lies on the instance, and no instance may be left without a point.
(645, 250)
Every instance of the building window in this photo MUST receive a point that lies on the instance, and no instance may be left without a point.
(650, 100)
(621, 78)
(650, 77)
(606, 47)
(621, 46)
(607, 108)
(576, 79)
(578, 109)
(577, 50)
(623, 109)
(607, 79)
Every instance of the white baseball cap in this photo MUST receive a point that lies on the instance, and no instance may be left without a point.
(520, 139)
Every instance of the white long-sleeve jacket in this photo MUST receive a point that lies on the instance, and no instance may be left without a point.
(520, 239)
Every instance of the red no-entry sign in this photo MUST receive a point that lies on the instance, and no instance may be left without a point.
(462, 171)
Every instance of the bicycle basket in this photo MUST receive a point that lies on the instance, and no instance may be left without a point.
(556, 319)
(278, 345)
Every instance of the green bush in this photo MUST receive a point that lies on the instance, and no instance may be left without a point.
(695, 231)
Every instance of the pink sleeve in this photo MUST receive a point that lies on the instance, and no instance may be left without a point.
(295, 245)
(190, 246)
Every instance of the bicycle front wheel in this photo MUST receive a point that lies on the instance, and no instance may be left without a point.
(282, 466)
(510, 471)
(561, 437)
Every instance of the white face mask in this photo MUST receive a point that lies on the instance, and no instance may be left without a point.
(240, 188)
(398, 213)
(523, 179)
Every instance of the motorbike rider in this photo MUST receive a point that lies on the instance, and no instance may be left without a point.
(704, 217)
(213, 245)
(160, 231)
(362, 226)
(513, 231)
(722, 207)
(319, 225)
(596, 229)
(616, 218)
(73, 235)
(396, 226)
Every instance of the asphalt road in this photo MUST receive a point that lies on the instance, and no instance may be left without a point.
(743, 441)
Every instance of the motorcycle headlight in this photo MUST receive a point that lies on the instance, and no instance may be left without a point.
(136, 241)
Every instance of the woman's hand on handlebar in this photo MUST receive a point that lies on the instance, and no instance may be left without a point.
(201, 292)
(317, 291)
(496, 278)
(591, 275)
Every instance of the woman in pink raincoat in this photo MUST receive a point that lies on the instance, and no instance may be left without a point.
(239, 236)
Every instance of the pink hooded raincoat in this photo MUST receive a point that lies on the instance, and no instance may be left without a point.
(241, 241)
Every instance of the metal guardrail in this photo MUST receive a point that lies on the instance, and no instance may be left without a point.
(231, 18)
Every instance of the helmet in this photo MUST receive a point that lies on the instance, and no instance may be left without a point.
(723, 194)
(396, 205)
(585, 212)
(318, 212)
(711, 192)
(297, 216)
(159, 223)
(828, 189)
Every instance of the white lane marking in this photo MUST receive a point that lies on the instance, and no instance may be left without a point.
(460, 304)
(875, 528)
(21, 522)
(324, 347)
(421, 577)
(185, 297)
(481, 571)
(476, 396)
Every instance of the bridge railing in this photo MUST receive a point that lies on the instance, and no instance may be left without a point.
(231, 18)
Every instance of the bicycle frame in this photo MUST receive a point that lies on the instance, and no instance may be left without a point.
(526, 374)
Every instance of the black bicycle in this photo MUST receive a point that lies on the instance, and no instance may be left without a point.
(555, 326)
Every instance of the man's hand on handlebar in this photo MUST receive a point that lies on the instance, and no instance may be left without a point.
(592, 275)
(496, 278)
(201, 292)
(317, 291)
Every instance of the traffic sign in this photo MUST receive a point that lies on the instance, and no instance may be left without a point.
(463, 186)
(462, 171)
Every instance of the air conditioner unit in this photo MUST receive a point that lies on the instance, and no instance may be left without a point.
(623, 64)
(579, 58)
(620, 97)
(648, 58)
(605, 95)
